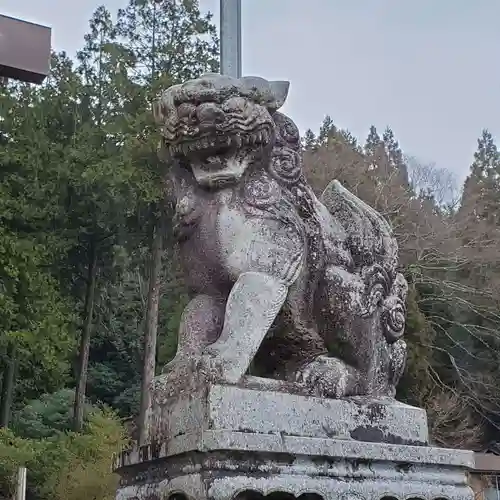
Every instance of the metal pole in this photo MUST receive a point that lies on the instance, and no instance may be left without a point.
(21, 484)
(230, 38)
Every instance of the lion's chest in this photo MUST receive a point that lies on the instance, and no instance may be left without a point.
(230, 240)
(253, 243)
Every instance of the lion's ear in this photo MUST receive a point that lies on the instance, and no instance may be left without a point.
(280, 93)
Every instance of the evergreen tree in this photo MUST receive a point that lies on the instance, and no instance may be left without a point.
(101, 180)
(372, 142)
(481, 194)
(36, 323)
(349, 139)
(168, 40)
(326, 131)
(395, 156)
(309, 141)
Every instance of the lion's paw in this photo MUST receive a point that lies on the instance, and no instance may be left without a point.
(328, 377)
(190, 371)
(210, 367)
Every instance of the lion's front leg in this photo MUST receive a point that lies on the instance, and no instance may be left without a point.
(201, 325)
(252, 306)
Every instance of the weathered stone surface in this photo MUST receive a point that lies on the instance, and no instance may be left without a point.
(221, 464)
(292, 287)
(224, 440)
(305, 486)
(336, 449)
(232, 408)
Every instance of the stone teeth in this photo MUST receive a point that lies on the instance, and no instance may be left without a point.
(259, 137)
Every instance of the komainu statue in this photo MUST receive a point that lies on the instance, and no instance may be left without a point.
(299, 291)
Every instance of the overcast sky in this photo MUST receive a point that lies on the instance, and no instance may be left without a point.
(428, 68)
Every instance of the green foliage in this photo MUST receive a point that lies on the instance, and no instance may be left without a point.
(416, 382)
(84, 461)
(47, 416)
(15, 452)
(65, 465)
(35, 317)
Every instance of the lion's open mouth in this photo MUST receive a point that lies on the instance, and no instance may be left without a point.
(222, 145)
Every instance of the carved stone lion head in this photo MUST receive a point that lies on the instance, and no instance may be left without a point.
(219, 125)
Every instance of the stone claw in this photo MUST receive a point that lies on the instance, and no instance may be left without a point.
(328, 377)
(209, 366)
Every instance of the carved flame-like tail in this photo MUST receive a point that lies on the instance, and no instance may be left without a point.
(375, 254)
(369, 236)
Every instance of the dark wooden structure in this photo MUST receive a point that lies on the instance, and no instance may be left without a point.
(24, 50)
(485, 478)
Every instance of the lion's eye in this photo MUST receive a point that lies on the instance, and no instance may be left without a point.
(186, 110)
(234, 104)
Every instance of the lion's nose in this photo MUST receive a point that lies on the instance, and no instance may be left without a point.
(209, 112)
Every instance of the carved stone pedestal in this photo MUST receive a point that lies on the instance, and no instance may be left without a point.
(225, 443)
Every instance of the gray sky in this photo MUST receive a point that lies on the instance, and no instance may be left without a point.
(428, 68)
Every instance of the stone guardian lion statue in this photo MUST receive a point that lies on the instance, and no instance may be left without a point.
(297, 290)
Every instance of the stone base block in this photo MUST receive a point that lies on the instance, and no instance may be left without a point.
(234, 443)
(226, 465)
(220, 407)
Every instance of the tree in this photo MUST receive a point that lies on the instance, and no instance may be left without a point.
(89, 212)
(395, 156)
(169, 42)
(326, 130)
(309, 141)
(372, 142)
(34, 322)
(429, 181)
(481, 192)
(35, 319)
(67, 464)
(46, 416)
(350, 139)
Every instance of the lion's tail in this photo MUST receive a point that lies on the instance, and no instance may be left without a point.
(369, 236)
(375, 254)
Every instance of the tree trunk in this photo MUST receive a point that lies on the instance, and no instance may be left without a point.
(85, 339)
(150, 331)
(8, 386)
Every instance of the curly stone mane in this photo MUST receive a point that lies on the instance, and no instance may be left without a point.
(278, 354)
(286, 168)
